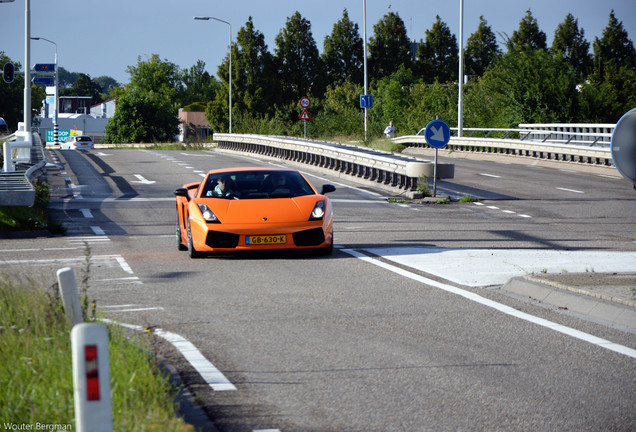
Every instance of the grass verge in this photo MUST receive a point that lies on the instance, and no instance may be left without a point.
(30, 218)
(36, 385)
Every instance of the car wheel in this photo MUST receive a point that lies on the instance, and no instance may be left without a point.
(180, 244)
(192, 252)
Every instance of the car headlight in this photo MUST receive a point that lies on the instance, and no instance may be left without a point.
(208, 214)
(319, 211)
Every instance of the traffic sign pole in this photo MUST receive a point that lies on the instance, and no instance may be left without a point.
(437, 134)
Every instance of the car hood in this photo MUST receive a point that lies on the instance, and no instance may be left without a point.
(271, 210)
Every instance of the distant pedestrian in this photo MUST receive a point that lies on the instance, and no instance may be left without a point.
(390, 130)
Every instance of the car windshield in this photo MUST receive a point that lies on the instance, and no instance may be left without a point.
(256, 184)
(83, 138)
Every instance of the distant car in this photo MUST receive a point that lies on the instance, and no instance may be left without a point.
(238, 209)
(4, 129)
(81, 142)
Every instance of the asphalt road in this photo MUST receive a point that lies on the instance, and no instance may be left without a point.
(360, 341)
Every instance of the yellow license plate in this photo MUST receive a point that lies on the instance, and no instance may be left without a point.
(265, 240)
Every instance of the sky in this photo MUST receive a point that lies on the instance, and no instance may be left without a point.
(105, 37)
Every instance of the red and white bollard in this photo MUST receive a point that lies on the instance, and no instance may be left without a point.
(91, 378)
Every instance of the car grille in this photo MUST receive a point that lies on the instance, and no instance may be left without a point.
(219, 239)
(312, 237)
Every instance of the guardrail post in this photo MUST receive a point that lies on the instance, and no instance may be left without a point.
(91, 378)
(70, 295)
(7, 152)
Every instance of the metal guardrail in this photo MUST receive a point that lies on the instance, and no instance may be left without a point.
(555, 133)
(16, 185)
(382, 169)
(563, 152)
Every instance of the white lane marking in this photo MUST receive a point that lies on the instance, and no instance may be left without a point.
(586, 337)
(489, 175)
(571, 190)
(124, 265)
(142, 180)
(96, 239)
(39, 249)
(138, 309)
(210, 374)
(503, 211)
(87, 213)
(98, 231)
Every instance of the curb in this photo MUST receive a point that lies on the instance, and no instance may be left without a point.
(618, 314)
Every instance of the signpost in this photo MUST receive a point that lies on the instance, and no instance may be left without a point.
(44, 67)
(366, 101)
(304, 116)
(43, 81)
(437, 135)
(623, 146)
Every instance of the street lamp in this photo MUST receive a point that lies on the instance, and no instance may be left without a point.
(230, 48)
(56, 106)
(366, 84)
(27, 68)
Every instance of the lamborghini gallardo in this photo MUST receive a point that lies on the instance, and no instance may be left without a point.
(238, 209)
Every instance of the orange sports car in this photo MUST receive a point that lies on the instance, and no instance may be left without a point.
(238, 209)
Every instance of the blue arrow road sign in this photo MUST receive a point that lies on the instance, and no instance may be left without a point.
(437, 134)
(44, 81)
(366, 101)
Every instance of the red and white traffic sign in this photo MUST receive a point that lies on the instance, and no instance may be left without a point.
(305, 102)
(305, 115)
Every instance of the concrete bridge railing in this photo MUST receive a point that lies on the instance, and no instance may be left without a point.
(395, 172)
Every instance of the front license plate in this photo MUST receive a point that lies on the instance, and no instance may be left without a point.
(265, 240)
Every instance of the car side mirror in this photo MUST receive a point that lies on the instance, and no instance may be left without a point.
(326, 188)
(182, 192)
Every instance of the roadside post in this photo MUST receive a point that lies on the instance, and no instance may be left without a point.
(437, 134)
(70, 295)
(91, 378)
(623, 146)
(304, 116)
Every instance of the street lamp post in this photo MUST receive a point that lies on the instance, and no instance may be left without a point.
(27, 67)
(56, 106)
(230, 49)
(366, 84)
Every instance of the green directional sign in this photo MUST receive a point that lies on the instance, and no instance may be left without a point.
(62, 134)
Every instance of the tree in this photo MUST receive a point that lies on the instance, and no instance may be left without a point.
(437, 57)
(528, 36)
(199, 85)
(481, 49)
(570, 45)
(65, 79)
(155, 75)
(12, 96)
(614, 48)
(343, 52)
(255, 75)
(523, 87)
(300, 68)
(390, 47)
(84, 86)
(105, 83)
(142, 116)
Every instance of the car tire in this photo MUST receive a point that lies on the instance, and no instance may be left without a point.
(180, 244)
(192, 252)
